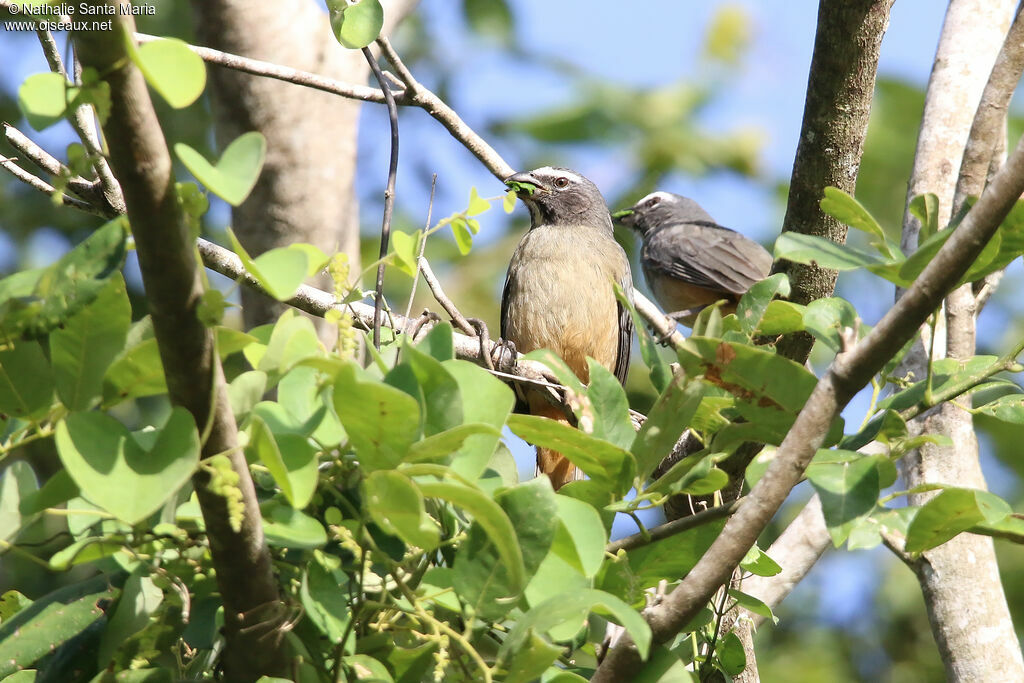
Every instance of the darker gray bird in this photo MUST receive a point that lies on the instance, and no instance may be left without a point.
(688, 259)
(558, 291)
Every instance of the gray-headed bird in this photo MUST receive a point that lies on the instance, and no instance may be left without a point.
(689, 260)
(558, 291)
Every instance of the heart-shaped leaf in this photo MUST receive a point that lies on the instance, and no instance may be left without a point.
(43, 99)
(129, 475)
(173, 70)
(358, 25)
(234, 175)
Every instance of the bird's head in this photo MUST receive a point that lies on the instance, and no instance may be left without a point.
(661, 208)
(559, 196)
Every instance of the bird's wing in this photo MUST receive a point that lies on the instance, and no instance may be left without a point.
(707, 255)
(625, 328)
(504, 304)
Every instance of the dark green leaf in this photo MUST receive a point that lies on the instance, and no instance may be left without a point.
(667, 420)
(325, 600)
(83, 349)
(925, 207)
(606, 464)
(827, 318)
(753, 305)
(286, 527)
(730, 653)
(848, 485)
(26, 381)
(951, 512)
(396, 505)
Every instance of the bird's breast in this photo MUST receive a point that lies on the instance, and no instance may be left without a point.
(560, 296)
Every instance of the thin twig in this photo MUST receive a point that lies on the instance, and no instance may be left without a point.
(287, 74)
(676, 526)
(46, 188)
(445, 115)
(86, 189)
(389, 193)
(423, 245)
(435, 288)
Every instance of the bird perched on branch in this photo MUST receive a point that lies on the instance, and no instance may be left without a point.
(558, 291)
(688, 259)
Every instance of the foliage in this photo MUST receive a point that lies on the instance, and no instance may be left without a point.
(403, 540)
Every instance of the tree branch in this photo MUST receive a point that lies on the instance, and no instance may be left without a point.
(848, 374)
(840, 86)
(140, 157)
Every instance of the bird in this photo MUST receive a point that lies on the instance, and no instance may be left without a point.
(688, 259)
(558, 291)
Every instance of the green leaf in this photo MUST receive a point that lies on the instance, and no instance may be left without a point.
(105, 460)
(486, 400)
(492, 519)
(631, 573)
(50, 621)
(659, 370)
(951, 512)
(754, 304)
(477, 204)
(286, 527)
(945, 373)
(509, 202)
(575, 607)
(849, 211)
(610, 406)
(666, 422)
(462, 234)
(140, 598)
(581, 537)
(532, 659)
(826, 319)
(925, 207)
(442, 398)
(758, 563)
(234, 175)
(280, 271)
(823, 252)
(396, 505)
(731, 656)
(325, 600)
(83, 349)
(1009, 408)
(443, 444)
(173, 70)
(44, 98)
(848, 485)
(290, 459)
(292, 340)
(26, 381)
(245, 391)
(34, 302)
(608, 465)
(356, 26)
(782, 317)
(382, 422)
(489, 18)
(17, 482)
(406, 249)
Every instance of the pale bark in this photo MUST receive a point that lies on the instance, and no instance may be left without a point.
(306, 190)
(971, 626)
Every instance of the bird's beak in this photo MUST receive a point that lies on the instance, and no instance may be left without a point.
(625, 217)
(524, 184)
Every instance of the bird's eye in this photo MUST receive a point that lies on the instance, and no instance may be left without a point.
(561, 182)
(653, 201)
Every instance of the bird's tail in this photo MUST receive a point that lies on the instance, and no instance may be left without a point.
(550, 462)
